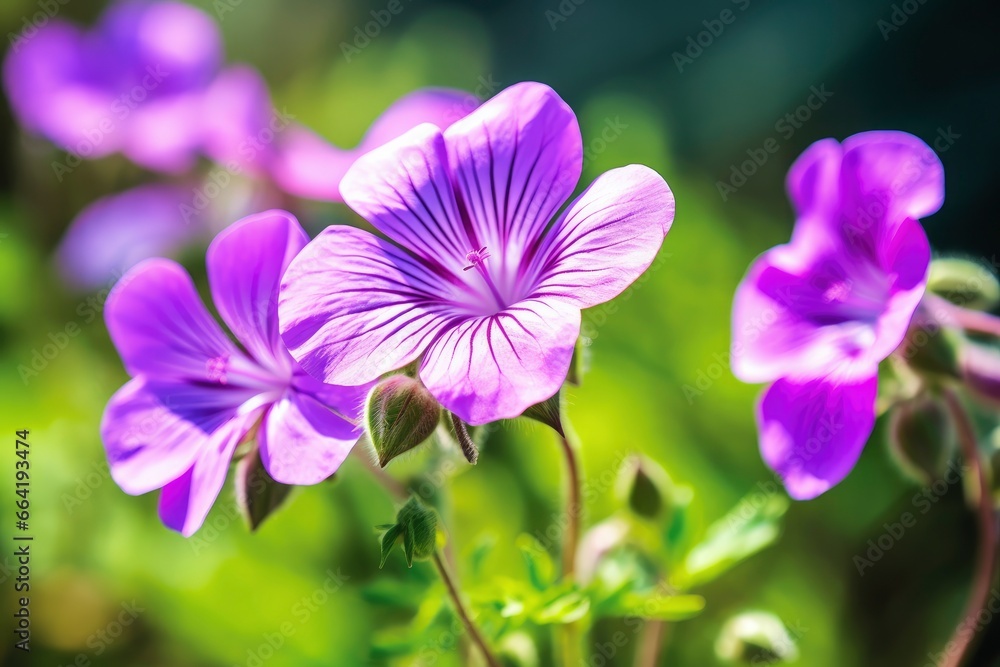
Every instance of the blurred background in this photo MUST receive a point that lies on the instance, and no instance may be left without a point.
(658, 379)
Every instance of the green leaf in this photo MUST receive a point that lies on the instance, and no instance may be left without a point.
(655, 606)
(257, 494)
(541, 569)
(749, 527)
(567, 608)
(388, 542)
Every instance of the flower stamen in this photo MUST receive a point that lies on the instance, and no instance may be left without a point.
(477, 260)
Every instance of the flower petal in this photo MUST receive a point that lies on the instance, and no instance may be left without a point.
(813, 183)
(353, 307)
(496, 367)
(114, 233)
(153, 432)
(303, 442)
(515, 160)
(812, 433)
(245, 264)
(185, 502)
(236, 110)
(307, 165)
(895, 166)
(606, 238)
(437, 106)
(160, 326)
(404, 190)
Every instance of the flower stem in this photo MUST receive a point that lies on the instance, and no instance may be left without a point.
(973, 321)
(470, 627)
(961, 640)
(651, 643)
(574, 508)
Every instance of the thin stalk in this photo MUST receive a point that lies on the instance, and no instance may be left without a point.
(973, 321)
(651, 643)
(962, 637)
(574, 508)
(463, 614)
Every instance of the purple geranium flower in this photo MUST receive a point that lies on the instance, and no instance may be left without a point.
(133, 84)
(195, 395)
(817, 316)
(476, 279)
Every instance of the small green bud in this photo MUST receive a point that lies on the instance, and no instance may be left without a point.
(400, 414)
(922, 438)
(755, 638)
(930, 348)
(645, 487)
(257, 494)
(415, 527)
(964, 283)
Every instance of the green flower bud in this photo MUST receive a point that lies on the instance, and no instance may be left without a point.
(922, 438)
(257, 494)
(400, 414)
(964, 283)
(645, 487)
(931, 349)
(755, 638)
(548, 412)
(416, 528)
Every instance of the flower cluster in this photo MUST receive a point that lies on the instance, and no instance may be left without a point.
(478, 279)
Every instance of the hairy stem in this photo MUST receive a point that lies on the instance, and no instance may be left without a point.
(973, 321)
(961, 639)
(463, 614)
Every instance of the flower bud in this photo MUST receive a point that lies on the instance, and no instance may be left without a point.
(645, 487)
(400, 414)
(922, 438)
(930, 348)
(257, 494)
(416, 527)
(755, 638)
(981, 371)
(964, 283)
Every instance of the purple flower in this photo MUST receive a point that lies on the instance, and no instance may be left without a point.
(195, 395)
(816, 316)
(133, 84)
(476, 280)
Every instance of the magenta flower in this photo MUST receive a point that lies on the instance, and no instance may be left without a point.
(195, 395)
(133, 84)
(475, 280)
(816, 316)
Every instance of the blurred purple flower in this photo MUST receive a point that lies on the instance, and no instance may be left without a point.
(195, 395)
(133, 84)
(477, 279)
(817, 316)
(114, 233)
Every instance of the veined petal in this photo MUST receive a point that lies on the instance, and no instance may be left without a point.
(185, 502)
(812, 433)
(245, 264)
(404, 190)
(153, 432)
(303, 442)
(160, 326)
(515, 160)
(606, 238)
(496, 367)
(353, 306)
